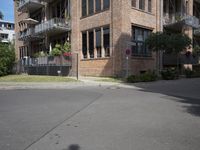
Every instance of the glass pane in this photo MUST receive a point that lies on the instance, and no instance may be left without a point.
(91, 6)
(98, 5)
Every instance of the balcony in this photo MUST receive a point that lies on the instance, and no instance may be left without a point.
(53, 26)
(177, 22)
(29, 5)
(28, 35)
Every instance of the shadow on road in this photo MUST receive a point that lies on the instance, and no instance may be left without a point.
(73, 147)
(184, 91)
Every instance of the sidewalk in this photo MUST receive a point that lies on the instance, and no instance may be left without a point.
(83, 81)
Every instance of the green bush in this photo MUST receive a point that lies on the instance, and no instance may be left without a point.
(191, 73)
(145, 77)
(169, 74)
(7, 58)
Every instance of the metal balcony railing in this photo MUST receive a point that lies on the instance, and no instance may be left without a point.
(29, 5)
(187, 20)
(53, 25)
(28, 34)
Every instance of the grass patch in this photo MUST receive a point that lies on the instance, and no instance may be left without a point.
(110, 79)
(34, 78)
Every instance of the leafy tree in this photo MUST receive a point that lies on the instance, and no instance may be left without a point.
(1, 15)
(171, 43)
(7, 58)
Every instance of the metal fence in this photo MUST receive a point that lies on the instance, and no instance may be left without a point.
(48, 65)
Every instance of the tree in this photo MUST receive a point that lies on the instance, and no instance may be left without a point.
(171, 43)
(1, 15)
(7, 58)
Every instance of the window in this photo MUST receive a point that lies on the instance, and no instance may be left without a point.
(91, 44)
(84, 7)
(149, 5)
(4, 36)
(106, 41)
(100, 33)
(84, 44)
(91, 6)
(142, 4)
(139, 36)
(106, 4)
(98, 42)
(133, 2)
(98, 5)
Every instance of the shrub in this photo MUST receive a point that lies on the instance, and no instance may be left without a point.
(169, 74)
(189, 73)
(145, 77)
(133, 79)
(7, 58)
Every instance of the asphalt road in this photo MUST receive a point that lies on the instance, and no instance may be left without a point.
(162, 115)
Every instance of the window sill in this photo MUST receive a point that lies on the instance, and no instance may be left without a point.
(150, 13)
(93, 59)
(98, 12)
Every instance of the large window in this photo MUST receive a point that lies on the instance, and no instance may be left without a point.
(106, 41)
(90, 37)
(98, 5)
(84, 44)
(149, 5)
(91, 6)
(142, 4)
(91, 44)
(106, 4)
(133, 2)
(139, 35)
(98, 42)
(84, 7)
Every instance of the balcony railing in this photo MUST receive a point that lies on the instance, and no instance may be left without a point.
(177, 21)
(53, 26)
(29, 5)
(28, 34)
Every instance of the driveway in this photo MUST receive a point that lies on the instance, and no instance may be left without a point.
(159, 115)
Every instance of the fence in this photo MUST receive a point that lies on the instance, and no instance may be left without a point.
(48, 65)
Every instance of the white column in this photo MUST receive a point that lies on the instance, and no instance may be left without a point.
(102, 46)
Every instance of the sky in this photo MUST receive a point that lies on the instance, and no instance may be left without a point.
(6, 6)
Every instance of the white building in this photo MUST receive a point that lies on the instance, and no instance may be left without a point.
(7, 31)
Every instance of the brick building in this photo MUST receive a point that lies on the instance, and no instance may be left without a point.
(101, 30)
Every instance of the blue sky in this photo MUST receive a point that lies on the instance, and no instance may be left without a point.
(6, 6)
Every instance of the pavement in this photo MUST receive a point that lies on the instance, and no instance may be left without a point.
(90, 115)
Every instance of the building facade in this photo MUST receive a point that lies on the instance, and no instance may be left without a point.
(102, 32)
(7, 31)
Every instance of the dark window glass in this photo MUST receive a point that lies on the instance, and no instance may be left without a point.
(142, 4)
(98, 42)
(98, 5)
(84, 44)
(84, 8)
(149, 5)
(106, 41)
(58, 10)
(91, 44)
(91, 6)
(63, 9)
(133, 3)
(106, 4)
(139, 36)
